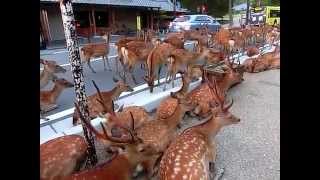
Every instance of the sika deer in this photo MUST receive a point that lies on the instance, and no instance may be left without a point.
(227, 76)
(180, 59)
(95, 108)
(157, 57)
(192, 154)
(134, 52)
(176, 41)
(62, 156)
(49, 68)
(94, 50)
(48, 98)
(124, 116)
(123, 164)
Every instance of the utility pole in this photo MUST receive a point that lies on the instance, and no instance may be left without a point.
(69, 26)
(230, 13)
(248, 12)
(174, 8)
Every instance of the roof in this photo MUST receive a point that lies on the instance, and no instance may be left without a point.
(137, 3)
(167, 5)
(164, 5)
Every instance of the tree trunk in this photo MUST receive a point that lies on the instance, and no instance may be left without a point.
(230, 14)
(248, 12)
(77, 73)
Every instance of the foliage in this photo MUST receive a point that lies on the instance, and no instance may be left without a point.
(216, 8)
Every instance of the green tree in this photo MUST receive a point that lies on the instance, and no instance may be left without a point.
(216, 8)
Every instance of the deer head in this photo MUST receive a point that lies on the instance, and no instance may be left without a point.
(52, 67)
(122, 85)
(219, 109)
(63, 83)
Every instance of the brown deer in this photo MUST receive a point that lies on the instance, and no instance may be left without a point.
(251, 51)
(95, 108)
(49, 70)
(180, 59)
(94, 50)
(136, 52)
(201, 96)
(176, 41)
(192, 154)
(157, 57)
(48, 98)
(122, 165)
(62, 156)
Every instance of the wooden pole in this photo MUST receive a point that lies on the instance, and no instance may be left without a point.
(248, 12)
(94, 21)
(151, 19)
(230, 14)
(77, 73)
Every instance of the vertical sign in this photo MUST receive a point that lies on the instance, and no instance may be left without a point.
(138, 23)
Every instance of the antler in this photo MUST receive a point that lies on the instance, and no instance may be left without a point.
(105, 134)
(100, 100)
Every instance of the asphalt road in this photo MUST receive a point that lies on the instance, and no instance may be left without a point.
(102, 78)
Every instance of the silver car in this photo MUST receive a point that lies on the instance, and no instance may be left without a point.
(188, 22)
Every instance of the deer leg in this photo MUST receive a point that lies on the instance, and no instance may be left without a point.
(104, 63)
(107, 59)
(167, 78)
(89, 65)
(159, 71)
(173, 77)
(131, 71)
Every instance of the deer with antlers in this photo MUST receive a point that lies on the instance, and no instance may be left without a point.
(192, 154)
(123, 163)
(165, 124)
(62, 156)
(94, 50)
(226, 76)
(48, 98)
(95, 108)
(48, 73)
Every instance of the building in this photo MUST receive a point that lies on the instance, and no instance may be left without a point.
(96, 16)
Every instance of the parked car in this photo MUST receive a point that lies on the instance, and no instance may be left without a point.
(188, 22)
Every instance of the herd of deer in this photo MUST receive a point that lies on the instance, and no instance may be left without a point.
(137, 139)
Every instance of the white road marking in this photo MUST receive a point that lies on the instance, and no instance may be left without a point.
(93, 60)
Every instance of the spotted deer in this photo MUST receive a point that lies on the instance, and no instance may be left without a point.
(48, 72)
(49, 98)
(62, 156)
(95, 108)
(123, 163)
(192, 154)
(93, 50)
(124, 115)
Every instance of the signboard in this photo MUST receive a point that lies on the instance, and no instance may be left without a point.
(138, 23)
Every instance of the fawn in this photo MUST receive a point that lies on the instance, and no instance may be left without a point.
(49, 69)
(48, 98)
